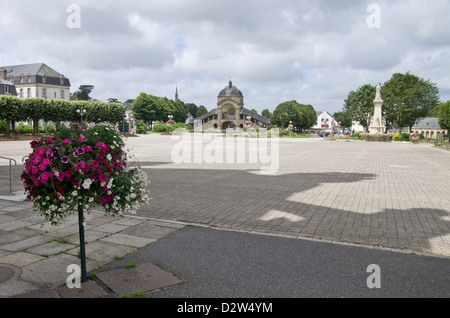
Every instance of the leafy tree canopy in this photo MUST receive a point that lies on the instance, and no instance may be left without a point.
(83, 92)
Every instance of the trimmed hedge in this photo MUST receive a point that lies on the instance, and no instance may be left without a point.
(56, 110)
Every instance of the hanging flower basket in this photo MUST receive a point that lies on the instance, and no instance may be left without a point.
(249, 124)
(81, 167)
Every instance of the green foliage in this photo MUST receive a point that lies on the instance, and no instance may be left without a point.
(146, 107)
(24, 129)
(359, 105)
(408, 98)
(83, 92)
(49, 129)
(302, 116)
(191, 108)
(142, 128)
(405, 137)
(2, 125)
(181, 125)
(344, 118)
(160, 127)
(266, 113)
(444, 115)
(201, 111)
(11, 108)
(103, 133)
(150, 108)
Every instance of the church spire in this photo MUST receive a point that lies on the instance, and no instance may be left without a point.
(176, 94)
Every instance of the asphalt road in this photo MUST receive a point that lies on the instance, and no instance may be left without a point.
(225, 264)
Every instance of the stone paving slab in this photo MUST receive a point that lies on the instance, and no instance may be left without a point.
(144, 277)
(89, 289)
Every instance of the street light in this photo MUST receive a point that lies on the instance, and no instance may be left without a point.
(81, 112)
(170, 122)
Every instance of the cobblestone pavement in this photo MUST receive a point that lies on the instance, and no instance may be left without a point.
(392, 195)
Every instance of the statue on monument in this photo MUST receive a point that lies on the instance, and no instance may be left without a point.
(378, 94)
(376, 124)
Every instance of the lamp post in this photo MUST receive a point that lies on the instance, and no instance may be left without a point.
(170, 122)
(81, 112)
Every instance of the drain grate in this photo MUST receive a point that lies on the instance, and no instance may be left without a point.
(8, 273)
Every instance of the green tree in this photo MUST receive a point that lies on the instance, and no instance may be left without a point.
(266, 113)
(57, 111)
(201, 110)
(444, 116)
(284, 116)
(180, 114)
(35, 108)
(408, 98)
(359, 105)
(83, 92)
(302, 116)
(308, 116)
(11, 110)
(147, 108)
(168, 108)
(191, 108)
(344, 118)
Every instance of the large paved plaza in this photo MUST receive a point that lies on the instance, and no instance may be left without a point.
(393, 195)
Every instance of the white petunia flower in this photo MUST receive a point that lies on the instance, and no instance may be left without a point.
(87, 183)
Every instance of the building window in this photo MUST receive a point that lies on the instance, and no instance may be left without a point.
(44, 93)
(62, 96)
(44, 79)
(7, 90)
(29, 92)
(21, 93)
(21, 78)
(29, 78)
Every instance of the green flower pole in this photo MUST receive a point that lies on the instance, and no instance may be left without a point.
(82, 243)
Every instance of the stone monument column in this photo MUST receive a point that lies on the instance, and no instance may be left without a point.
(377, 125)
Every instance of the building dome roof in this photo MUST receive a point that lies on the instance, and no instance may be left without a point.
(230, 90)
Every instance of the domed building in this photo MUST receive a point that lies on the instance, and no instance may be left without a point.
(230, 112)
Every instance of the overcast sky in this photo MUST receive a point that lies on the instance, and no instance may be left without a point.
(314, 52)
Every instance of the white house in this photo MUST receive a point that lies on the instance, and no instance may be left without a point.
(325, 121)
(38, 80)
